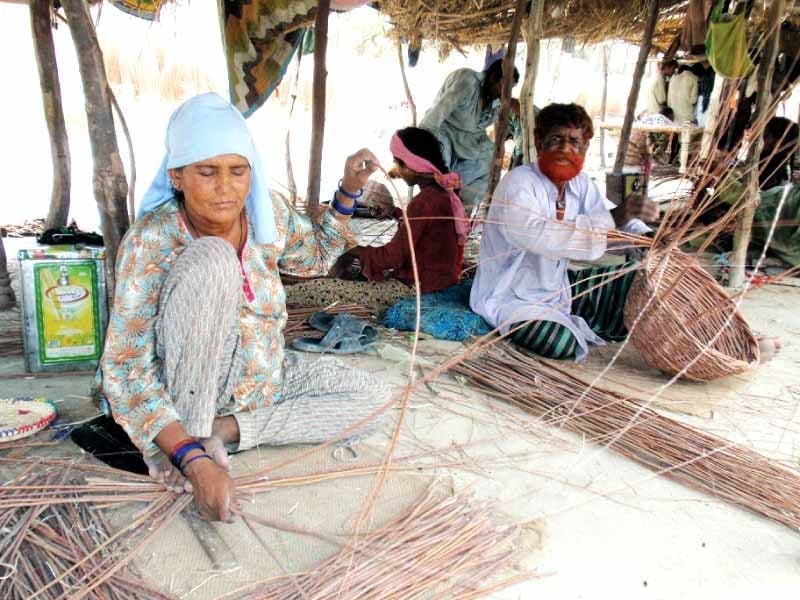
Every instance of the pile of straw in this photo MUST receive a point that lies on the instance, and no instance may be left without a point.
(458, 23)
(451, 545)
(61, 546)
(699, 460)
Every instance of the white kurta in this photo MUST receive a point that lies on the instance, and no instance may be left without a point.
(682, 96)
(525, 251)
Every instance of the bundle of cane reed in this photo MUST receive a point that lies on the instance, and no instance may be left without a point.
(725, 470)
(63, 549)
(682, 322)
(61, 546)
(439, 543)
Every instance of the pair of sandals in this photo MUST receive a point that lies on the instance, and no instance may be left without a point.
(344, 334)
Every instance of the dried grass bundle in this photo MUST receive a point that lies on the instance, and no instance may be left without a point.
(457, 23)
(699, 460)
(682, 321)
(451, 546)
(59, 504)
(64, 549)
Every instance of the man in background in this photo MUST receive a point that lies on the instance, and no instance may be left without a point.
(465, 106)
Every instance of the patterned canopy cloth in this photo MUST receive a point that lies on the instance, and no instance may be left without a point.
(260, 38)
(144, 9)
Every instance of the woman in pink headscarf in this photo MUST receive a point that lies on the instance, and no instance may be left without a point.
(438, 224)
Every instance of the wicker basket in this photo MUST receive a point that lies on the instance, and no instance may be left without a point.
(687, 308)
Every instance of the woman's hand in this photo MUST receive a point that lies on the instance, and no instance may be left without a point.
(214, 490)
(161, 470)
(357, 170)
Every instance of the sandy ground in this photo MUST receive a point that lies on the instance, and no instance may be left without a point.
(596, 525)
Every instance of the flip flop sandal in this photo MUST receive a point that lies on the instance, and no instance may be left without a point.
(345, 335)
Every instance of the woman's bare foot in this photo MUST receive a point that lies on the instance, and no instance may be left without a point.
(769, 347)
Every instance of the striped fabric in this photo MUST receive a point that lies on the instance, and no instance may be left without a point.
(201, 356)
(601, 308)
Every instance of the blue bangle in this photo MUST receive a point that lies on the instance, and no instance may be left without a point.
(342, 210)
(191, 460)
(355, 196)
(183, 451)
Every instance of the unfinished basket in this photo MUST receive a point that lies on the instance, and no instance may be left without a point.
(682, 310)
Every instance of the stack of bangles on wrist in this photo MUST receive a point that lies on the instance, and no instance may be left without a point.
(183, 448)
(343, 210)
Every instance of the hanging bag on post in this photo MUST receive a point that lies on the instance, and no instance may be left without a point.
(726, 44)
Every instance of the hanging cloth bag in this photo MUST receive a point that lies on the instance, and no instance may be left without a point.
(726, 44)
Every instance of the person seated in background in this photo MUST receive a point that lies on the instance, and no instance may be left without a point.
(682, 95)
(656, 91)
(543, 215)
(438, 229)
(464, 107)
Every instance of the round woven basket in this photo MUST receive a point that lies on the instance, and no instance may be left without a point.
(22, 417)
(687, 309)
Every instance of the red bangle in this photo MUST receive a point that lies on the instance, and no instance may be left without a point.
(178, 446)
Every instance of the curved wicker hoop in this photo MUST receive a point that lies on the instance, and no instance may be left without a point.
(687, 309)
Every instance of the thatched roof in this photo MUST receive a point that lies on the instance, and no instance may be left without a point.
(458, 23)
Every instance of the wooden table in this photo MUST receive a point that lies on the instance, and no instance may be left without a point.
(686, 131)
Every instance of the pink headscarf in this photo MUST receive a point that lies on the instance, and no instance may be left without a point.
(449, 181)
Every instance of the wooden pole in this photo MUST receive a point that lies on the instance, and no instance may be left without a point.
(318, 107)
(409, 97)
(41, 24)
(129, 141)
(603, 103)
(110, 185)
(633, 96)
(7, 299)
(533, 36)
(763, 111)
(501, 125)
(720, 95)
(290, 182)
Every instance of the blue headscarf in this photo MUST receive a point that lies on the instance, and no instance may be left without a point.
(201, 128)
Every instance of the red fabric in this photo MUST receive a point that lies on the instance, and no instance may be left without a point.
(438, 253)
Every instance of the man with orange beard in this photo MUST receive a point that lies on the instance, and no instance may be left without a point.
(543, 215)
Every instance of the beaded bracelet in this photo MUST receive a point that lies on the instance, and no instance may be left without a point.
(342, 210)
(191, 460)
(177, 455)
(355, 196)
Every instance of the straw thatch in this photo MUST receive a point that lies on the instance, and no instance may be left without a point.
(457, 23)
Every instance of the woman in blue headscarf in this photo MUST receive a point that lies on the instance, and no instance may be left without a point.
(194, 360)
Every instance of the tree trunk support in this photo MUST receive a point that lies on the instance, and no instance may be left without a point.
(41, 24)
(633, 96)
(110, 185)
(764, 109)
(501, 125)
(406, 87)
(318, 107)
(290, 181)
(603, 102)
(533, 36)
(7, 299)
